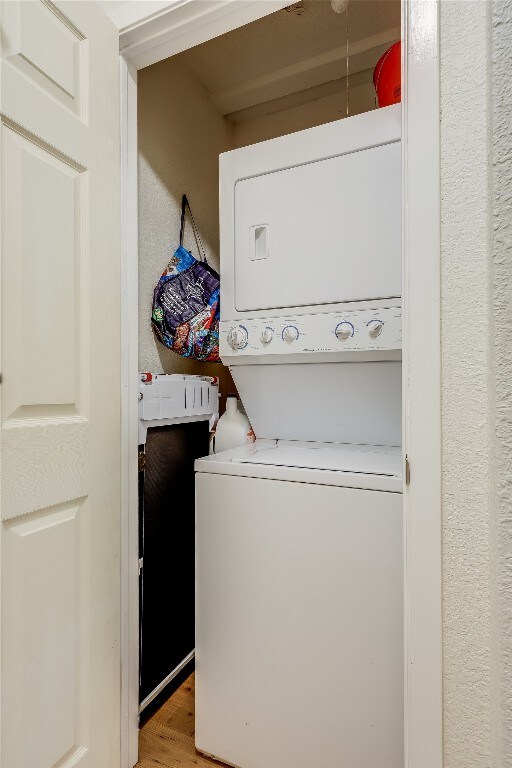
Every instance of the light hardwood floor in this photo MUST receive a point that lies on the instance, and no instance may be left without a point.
(167, 739)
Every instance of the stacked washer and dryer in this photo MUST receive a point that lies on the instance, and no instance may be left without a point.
(299, 623)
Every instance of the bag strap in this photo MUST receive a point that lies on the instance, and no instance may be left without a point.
(184, 205)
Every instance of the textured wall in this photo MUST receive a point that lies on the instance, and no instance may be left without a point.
(466, 360)
(501, 190)
(476, 191)
(180, 138)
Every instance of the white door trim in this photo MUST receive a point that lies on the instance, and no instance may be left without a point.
(191, 22)
(422, 385)
(187, 23)
(129, 420)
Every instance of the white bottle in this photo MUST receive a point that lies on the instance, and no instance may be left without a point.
(233, 428)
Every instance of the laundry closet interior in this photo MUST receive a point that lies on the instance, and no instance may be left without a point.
(306, 234)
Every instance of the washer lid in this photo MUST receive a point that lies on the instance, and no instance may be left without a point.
(352, 466)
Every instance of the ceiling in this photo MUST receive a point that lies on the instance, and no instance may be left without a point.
(292, 50)
(124, 13)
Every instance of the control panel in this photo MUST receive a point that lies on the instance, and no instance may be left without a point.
(352, 331)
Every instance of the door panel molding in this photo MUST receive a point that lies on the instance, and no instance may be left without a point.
(34, 31)
(45, 634)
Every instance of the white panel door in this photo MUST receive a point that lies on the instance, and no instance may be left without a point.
(60, 386)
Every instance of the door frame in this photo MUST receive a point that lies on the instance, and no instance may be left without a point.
(182, 25)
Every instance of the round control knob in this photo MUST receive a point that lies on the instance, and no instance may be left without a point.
(267, 335)
(237, 337)
(290, 333)
(344, 331)
(375, 328)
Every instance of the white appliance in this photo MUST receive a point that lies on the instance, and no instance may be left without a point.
(313, 218)
(299, 538)
(299, 607)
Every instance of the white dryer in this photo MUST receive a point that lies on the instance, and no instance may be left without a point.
(299, 624)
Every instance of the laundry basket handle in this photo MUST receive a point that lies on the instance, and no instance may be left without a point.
(184, 205)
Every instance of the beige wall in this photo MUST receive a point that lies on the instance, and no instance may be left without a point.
(466, 355)
(180, 138)
(317, 111)
(476, 190)
(501, 326)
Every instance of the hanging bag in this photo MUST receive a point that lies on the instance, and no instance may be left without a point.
(186, 306)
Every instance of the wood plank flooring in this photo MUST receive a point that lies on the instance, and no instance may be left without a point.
(167, 739)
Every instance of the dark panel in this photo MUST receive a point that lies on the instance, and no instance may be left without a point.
(167, 540)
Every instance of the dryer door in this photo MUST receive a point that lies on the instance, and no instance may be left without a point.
(323, 232)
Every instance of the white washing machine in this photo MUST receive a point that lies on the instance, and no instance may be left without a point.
(299, 652)
(299, 606)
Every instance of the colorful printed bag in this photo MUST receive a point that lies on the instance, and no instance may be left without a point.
(186, 303)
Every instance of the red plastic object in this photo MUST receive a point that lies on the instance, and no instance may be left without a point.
(387, 76)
